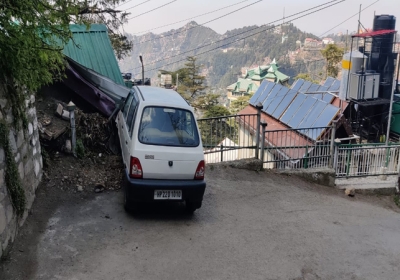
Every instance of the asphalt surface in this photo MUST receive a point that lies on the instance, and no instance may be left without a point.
(251, 226)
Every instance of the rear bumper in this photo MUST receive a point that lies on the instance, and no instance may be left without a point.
(143, 189)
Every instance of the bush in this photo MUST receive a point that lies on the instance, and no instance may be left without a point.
(80, 149)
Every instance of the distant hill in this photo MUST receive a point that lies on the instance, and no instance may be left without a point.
(223, 65)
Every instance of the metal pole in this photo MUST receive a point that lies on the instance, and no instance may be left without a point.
(72, 117)
(398, 174)
(177, 80)
(333, 135)
(222, 152)
(359, 21)
(398, 64)
(259, 106)
(71, 108)
(264, 126)
(335, 162)
(390, 112)
(141, 61)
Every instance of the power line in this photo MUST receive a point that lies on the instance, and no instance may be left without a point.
(211, 12)
(177, 32)
(153, 9)
(136, 4)
(324, 6)
(123, 3)
(356, 14)
(303, 63)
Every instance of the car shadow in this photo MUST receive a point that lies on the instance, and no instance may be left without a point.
(161, 211)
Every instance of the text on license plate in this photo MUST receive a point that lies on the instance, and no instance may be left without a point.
(167, 194)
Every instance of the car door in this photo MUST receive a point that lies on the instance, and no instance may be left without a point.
(121, 125)
(128, 130)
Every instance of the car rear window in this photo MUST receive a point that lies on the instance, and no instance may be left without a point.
(168, 127)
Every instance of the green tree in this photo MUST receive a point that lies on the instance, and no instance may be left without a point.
(192, 84)
(213, 131)
(105, 12)
(304, 76)
(206, 102)
(333, 55)
(239, 104)
(32, 36)
(217, 111)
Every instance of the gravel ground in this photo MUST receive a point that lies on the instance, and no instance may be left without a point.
(251, 226)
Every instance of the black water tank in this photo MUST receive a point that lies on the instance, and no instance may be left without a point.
(381, 57)
(384, 22)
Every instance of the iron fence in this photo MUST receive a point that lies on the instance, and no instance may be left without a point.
(229, 138)
(236, 137)
(366, 160)
(298, 148)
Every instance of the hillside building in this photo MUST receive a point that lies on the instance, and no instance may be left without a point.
(252, 78)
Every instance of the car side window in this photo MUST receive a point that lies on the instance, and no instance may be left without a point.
(132, 112)
(188, 124)
(127, 104)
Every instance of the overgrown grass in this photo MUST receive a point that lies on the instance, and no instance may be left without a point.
(80, 149)
(12, 178)
(396, 199)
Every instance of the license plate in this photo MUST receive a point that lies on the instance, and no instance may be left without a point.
(167, 194)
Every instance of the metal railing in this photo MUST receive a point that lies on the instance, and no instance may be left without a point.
(236, 137)
(298, 148)
(229, 138)
(366, 160)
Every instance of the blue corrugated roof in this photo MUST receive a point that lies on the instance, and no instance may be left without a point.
(92, 49)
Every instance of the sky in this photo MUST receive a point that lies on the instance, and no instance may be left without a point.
(262, 12)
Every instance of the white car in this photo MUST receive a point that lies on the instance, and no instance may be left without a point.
(161, 148)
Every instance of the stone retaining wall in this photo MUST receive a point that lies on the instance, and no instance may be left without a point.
(26, 149)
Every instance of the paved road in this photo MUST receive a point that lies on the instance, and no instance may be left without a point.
(252, 226)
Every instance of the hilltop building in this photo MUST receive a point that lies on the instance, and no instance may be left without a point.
(328, 41)
(252, 78)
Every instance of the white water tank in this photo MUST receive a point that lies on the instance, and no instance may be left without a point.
(352, 62)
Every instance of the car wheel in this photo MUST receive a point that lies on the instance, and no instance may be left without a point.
(191, 206)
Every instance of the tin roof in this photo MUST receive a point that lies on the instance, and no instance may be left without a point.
(270, 71)
(375, 33)
(243, 85)
(92, 49)
(278, 139)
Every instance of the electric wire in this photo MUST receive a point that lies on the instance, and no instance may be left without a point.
(356, 14)
(321, 7)
(159, 7)
(187, 29)
(184, 20)
(126, 2)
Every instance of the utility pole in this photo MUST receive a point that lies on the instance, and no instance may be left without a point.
(177, 80)
(359, 22)
(390, 112)
(141, 61)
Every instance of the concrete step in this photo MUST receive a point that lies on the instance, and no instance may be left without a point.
(369, 185)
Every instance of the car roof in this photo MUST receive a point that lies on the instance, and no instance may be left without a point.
(161, 96)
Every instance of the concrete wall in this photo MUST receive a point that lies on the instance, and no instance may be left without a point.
(26, 150)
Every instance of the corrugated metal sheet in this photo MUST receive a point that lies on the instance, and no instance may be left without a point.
(92, 49)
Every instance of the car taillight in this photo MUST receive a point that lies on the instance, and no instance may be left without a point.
(135, 170)
(201, 168)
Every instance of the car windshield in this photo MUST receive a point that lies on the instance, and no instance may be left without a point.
(168, 127)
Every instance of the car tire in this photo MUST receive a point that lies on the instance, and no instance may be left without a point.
(192, 206)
